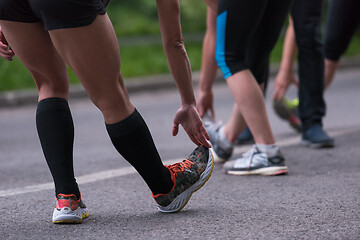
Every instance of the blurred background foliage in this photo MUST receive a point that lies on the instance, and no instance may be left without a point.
(129, 19)
(136, 25)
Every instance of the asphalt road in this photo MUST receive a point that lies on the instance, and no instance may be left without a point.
(318, 199)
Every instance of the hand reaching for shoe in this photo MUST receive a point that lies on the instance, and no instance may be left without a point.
(188, 117)
(282, 82)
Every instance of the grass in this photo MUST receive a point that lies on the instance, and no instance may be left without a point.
(130, 20)
(135, 61)
(141, 60)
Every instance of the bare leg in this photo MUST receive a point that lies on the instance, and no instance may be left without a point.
(235, 125)
(95, 58)
(54, 122)
(250, 101)
(330, 70)
(93, 53)
(35, 50)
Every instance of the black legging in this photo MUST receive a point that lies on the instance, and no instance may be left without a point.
(247, 31)
(342, 22)
(306, 15)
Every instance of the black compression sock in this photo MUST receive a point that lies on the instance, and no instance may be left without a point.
(132, 139)
(56, 132)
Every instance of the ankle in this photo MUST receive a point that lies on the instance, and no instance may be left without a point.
(270, 149)
(225, 137)
(165, 184)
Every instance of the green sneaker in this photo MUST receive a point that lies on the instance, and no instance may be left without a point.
(288, 110)
(188, 176)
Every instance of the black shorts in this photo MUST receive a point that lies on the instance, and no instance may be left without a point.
(247, 31)
(55, 14)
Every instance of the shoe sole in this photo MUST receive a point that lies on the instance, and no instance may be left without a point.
(180, 201)
(269, 171)
(306, 143)
(70, 217)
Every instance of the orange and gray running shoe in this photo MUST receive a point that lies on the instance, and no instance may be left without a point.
(69, 210)
(188, 176)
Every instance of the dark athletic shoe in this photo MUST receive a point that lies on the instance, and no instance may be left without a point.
(220, 151)
(245, 137)
(188, 176)
(69, 210)
(288, 111)
(316, 137)
(253, 162)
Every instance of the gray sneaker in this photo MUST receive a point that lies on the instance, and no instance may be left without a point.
(254, 162)
(221, 151)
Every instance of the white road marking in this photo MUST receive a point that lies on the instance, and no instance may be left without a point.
(103, 175)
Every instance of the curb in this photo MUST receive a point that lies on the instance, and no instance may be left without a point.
(135, 85)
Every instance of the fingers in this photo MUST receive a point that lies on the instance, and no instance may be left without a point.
(199, 138)
(190, 120)
(205, 133)
(5, 52)
(279, 93)
(175, 129)
(203, 139)
(194, 139)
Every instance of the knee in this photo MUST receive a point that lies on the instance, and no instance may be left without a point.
(113, 108)
(110, 101)
(51, 87)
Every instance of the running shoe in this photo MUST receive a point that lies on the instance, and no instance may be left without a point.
(254, 162)
(316, 137)
(188, 176)
(221, 150)
(288, 110)
(69, 210)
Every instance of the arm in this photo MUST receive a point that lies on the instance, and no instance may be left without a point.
(285, 76)
(209, 67)
(179, 65)
(5, 52)
(213, 4)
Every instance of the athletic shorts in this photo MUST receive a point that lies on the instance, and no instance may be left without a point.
(246, 32)
(55, 14)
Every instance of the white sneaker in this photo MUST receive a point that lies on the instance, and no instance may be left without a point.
(254, 162)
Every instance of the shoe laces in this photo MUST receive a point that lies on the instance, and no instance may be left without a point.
(181, 166)
(250, 154)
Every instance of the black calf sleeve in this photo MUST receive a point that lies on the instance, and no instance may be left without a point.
(132, 139)
(56, 132)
